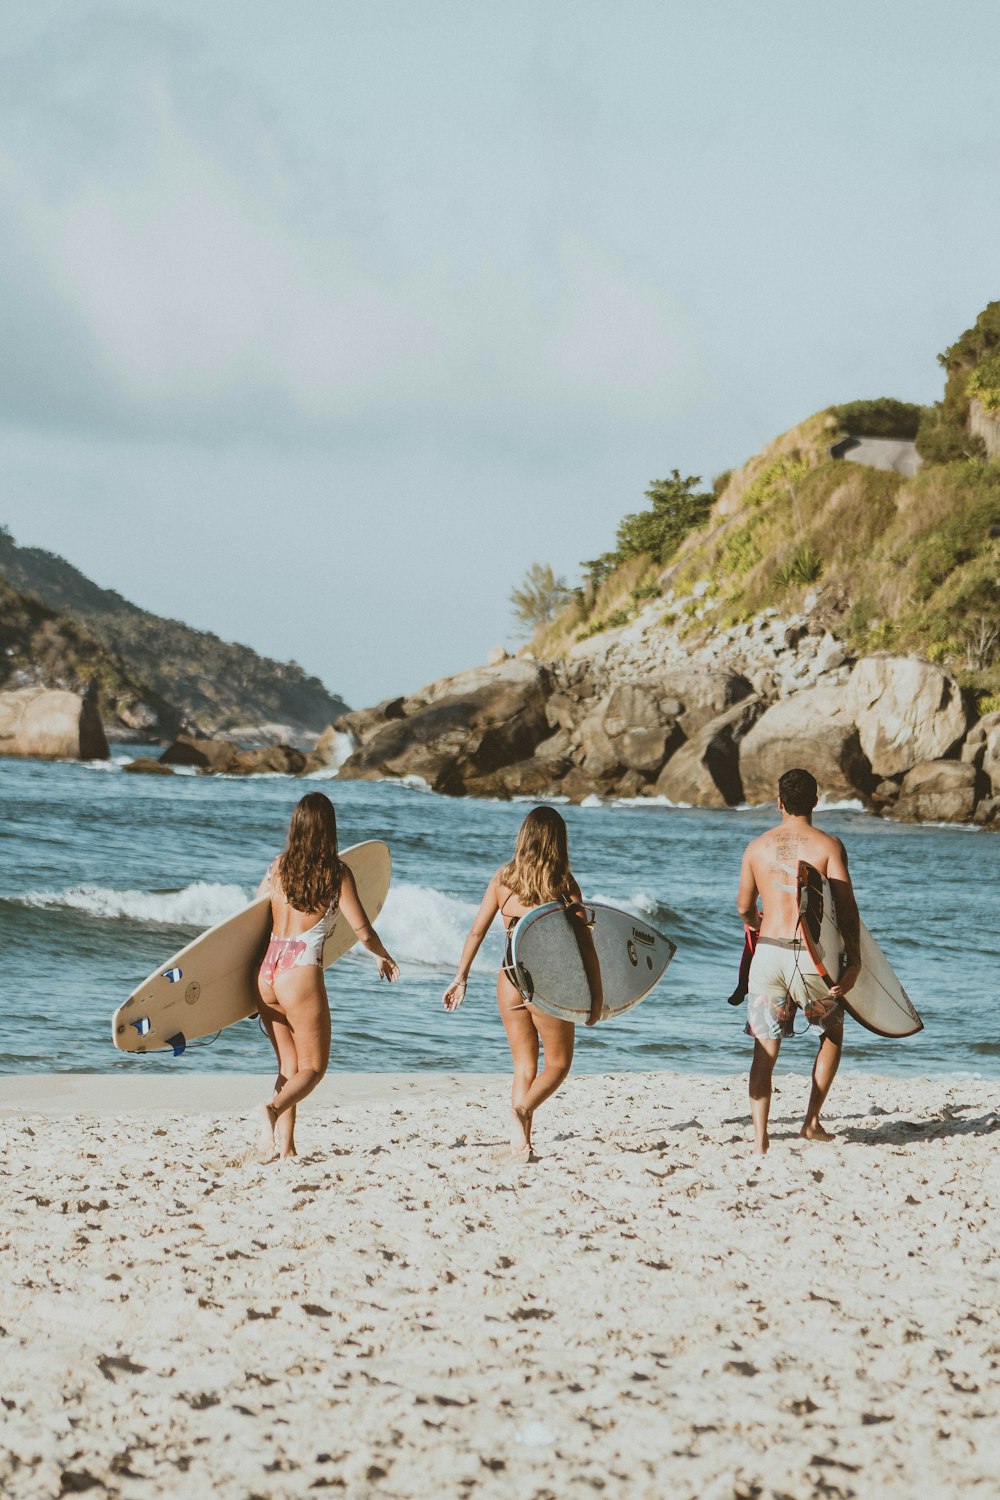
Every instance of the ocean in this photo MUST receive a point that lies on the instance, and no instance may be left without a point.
(104, 875)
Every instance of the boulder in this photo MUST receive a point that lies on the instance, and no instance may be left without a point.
(705, 771)
(813, 729)
(51, 724)
(143, 766)
(285, 760)
(599, 755)
(362, 723)
(938, 791)
(705, 694)
(646, 749)
(562, 710)
(556, 747)
(527, 778)
(906, 711)
(205, 755)
(987, 813)
(577, 784)
(982, 747)
(991, 754)
(494, 718)
(631, 706)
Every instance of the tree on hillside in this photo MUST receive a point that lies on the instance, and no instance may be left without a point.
(538, 597)
(676, 507)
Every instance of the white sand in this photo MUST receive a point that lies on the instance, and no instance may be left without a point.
(641, 1312)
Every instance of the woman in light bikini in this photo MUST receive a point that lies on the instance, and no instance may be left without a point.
(308, 885)
(539, 872)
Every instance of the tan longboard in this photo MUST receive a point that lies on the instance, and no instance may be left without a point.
(212, 983)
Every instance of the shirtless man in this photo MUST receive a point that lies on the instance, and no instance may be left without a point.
(783, 977)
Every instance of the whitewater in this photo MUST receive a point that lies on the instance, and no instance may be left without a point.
(104, 875)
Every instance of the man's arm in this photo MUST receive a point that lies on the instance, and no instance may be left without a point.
(746, 897)
(848, 918)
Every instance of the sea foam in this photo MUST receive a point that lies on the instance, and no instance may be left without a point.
(197, 906)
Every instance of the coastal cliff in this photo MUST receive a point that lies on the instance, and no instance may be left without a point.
(810, 609)
(150, 677)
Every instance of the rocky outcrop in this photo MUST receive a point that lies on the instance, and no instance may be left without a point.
(705, 771)
(204, 755)
(982, 748)
(814, 729)
(455, 730)
(939, 791)
(51, 725)
(906, 711)
(281, 760)
(143, 765)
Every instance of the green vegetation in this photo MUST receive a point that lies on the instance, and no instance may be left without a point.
(538, 597)
(676, 508)
(884, 417)
(971, 365)
(191, 673)
(42, 647)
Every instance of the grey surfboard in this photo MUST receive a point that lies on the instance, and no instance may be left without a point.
(550, 973)
(877, 1001)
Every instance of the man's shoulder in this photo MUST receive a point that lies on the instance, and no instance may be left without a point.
(756, 845)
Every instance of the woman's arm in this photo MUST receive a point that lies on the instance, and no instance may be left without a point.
(577, 917)
(264, 889)
(488, 908)
(350, 905)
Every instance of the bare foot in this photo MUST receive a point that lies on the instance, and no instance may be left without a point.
(761, 1148)
(816, 1133)
(265, 1140)
(288, 1151)
(520, 1134)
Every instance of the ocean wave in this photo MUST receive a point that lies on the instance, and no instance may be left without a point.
(423, 926)
(198, 906)
(840, 804)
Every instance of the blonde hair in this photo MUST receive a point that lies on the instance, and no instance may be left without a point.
(540, 871)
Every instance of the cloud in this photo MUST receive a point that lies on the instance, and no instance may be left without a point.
(169, 275)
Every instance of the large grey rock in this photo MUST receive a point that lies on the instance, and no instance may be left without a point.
(631, 706)
(938, 791)
(906, 711)
(645, 750)
(705, 694)
(982, 747)
(494, 718)
(204, 755)
(706, 770)
(599, 755)
(813, 729)
(51, 724)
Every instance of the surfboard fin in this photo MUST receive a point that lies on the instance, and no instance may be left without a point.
(178, 1043)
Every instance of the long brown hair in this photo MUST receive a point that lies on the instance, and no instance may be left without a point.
(310, 868)
(539, 871)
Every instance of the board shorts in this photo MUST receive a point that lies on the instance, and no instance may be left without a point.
(783, 978)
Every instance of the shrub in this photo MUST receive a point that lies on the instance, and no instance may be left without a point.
(884, 417)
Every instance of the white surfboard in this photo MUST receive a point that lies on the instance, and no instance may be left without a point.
(212, 983)
(877, 1000)
(549, 968)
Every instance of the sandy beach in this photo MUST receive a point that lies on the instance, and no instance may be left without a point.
(644, 1310)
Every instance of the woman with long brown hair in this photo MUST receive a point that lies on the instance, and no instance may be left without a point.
(308, 884)
(539, 872)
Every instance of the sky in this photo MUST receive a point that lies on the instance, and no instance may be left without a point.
(322, 321)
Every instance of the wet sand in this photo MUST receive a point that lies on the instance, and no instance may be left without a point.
(644, 1310)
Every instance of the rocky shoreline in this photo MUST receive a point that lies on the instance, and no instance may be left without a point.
(639, 712)
(634, 712)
